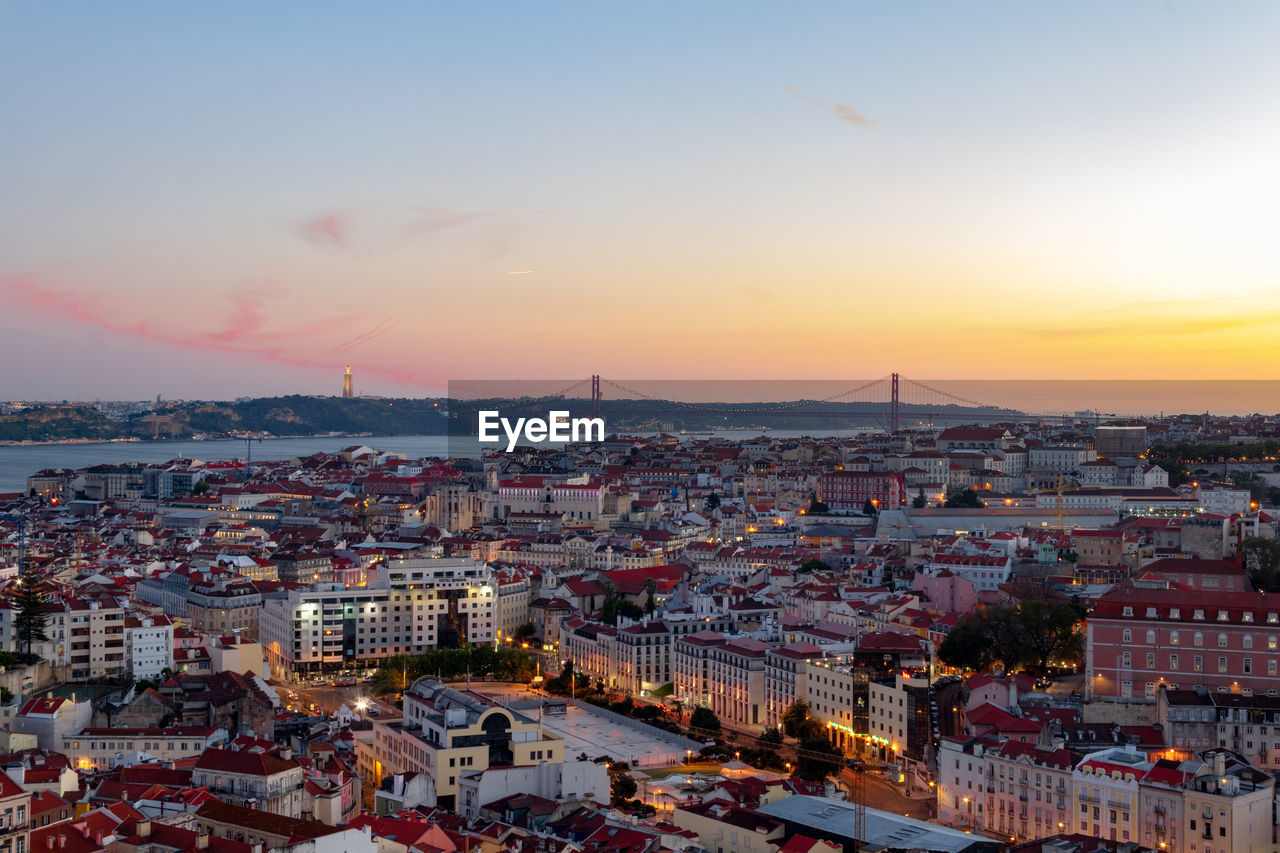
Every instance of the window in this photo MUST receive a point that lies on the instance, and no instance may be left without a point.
(1126, 636)
(1222, 616)
(1128, 659)
(1222, 641)
(1222, 664)
(1128, 611)
(1198, 664)
(1199, 614)
(1151, 638)
(1248, 666)
(1198, 639)
(1173, 638)
(1151, 660)
(1175, 612)
(1173, 662)
(1247, 641)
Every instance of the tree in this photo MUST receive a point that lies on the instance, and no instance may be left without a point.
(919, 502)
(797, 712)
(1049, 631)
(651, 590)
(814, 565)
(1261, 556)
(31, 613)
(622, 786)
(712, 501)
(817, 759)
(868, 508)
(200, 488)
(525, 631)
(817, 507)
(771, 737)
(965, 646)
(704, 718)
(966, 499)
(629, 609)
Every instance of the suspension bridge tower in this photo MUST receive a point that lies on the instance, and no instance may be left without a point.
(893, 407)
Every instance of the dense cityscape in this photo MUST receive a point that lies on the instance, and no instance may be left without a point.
(973, 637)
(727, 426)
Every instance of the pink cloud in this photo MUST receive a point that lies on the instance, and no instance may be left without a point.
(246, 333)
(844, 112)
(331, 229)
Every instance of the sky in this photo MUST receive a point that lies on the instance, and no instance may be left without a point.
(211, 200)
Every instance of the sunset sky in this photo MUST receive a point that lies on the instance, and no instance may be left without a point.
(227, 199)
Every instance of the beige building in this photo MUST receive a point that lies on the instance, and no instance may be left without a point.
(725, 828)
(266, 781)
(102, 748)
(447, 733)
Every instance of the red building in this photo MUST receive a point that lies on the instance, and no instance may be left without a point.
(852, 489)
(1139, 638)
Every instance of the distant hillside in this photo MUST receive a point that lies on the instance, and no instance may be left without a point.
(297, 415)
(281, 416)
(56, 422)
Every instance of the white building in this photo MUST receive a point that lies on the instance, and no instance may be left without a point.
(416, 604)
(148, 643)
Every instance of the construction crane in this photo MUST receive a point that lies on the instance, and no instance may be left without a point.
(1062, 481)
(21, 523)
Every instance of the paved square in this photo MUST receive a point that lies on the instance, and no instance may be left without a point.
(596, 735)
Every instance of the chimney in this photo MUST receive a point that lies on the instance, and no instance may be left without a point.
(1219, 764)
(286, 753)
(143, 829)
(202, 840)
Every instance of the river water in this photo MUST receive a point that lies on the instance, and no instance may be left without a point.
(19, 462)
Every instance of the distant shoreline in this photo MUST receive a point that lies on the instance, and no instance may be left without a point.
(147, 441)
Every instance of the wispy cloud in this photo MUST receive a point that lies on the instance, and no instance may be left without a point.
(329, 230)
(245, 334)
(370, 231)
(844, 112)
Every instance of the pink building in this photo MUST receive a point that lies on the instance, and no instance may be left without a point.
(946, 592)
(1139, 638)
(852, 489)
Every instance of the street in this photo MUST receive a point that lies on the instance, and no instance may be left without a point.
(328, 699)
(880, 793)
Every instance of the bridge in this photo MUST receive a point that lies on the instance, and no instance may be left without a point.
(893, 401)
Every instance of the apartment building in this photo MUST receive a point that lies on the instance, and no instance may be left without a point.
(1028, 790)
(852, 489)
(224, 607)
(414, 605)
(148, 643)
(103, 748)
(1140, 638)
(448, 733)
(266, 781)
(784, 672)
(736, 675)
(86, 636)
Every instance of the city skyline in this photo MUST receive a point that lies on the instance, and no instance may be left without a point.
(212, 204)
